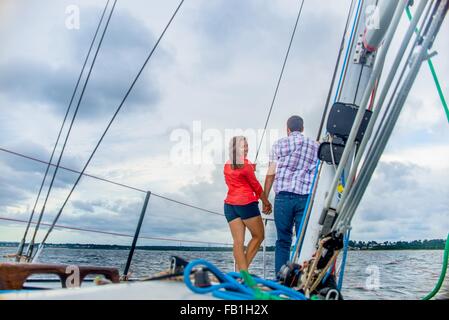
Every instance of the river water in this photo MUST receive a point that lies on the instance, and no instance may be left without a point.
(370, 275)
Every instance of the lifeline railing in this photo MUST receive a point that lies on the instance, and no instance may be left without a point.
(136, 235)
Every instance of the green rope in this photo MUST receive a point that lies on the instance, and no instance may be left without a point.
(434, 74)
(258, 294)
(442, 275)
(446, 109)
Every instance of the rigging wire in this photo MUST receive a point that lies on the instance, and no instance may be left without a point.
(395, 90)
(30, 248)
(18, 154)
(342, 80)
(307, 210)
(379, 105)
(279, 80)
(380, 139)
(349, 145)
(358, 84)
(344, 259)
(114, 233)
(337, 65)
(21, 246)
(126, 186)
(113, 182)
(110, 123)
(433, 72)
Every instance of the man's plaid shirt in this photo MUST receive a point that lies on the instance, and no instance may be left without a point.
(296, 157)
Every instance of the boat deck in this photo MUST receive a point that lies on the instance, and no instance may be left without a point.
(149, 290)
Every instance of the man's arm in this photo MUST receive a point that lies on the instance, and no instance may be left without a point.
(269, 179)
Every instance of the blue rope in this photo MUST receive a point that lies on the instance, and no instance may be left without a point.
(347, 50)
(328, 273)
(345, 62)
(343, 179)
(343, 261)
(343, 182)
(231, 289)
(303, 220)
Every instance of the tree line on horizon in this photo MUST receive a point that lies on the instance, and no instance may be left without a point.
(434, 244)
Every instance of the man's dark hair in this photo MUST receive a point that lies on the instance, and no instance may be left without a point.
(295, 123)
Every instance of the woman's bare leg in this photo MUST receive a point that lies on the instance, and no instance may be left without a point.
(255, 226)
(238, 235)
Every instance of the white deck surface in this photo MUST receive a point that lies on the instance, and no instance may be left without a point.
(151, 290)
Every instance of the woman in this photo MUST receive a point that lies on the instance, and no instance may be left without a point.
(241, 204)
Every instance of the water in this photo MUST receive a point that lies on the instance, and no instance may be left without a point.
(371, 275)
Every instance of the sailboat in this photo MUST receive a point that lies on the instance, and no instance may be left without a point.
(361, 110)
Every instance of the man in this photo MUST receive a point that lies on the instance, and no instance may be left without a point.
(293, 161)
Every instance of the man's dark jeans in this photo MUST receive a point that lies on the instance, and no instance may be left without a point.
(288, 210)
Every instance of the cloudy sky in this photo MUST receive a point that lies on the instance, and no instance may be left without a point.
(215, 71)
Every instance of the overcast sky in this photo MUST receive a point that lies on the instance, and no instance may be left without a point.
(216, 68)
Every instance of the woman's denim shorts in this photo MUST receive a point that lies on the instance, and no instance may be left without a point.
(244, 212)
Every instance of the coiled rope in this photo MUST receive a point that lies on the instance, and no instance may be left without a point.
(231, 289)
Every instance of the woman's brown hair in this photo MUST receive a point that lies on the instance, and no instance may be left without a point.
(236, 154)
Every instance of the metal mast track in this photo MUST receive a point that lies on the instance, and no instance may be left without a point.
(330, 204)
(381, 100)
(342, 181)
(418, 56)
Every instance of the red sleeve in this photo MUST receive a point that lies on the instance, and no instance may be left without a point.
(251, 177)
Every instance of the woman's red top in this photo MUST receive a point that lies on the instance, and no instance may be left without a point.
(244, 188)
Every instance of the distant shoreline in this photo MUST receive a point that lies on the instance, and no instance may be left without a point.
(354, 246)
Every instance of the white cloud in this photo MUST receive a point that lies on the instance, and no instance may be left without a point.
(432, 157)
(218, 63)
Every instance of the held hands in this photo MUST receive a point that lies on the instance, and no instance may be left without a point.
(267, 208)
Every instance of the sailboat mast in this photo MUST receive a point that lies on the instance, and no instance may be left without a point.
(371, 24)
